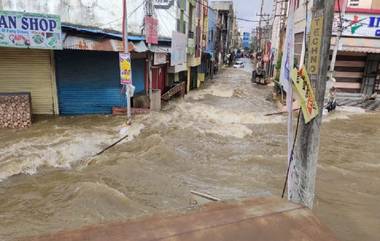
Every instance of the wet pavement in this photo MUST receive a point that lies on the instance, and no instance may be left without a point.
(217, 140)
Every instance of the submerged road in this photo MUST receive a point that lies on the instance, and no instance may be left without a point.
(216, 140)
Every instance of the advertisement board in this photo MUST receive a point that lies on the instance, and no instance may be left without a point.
(151, 30)
(304, 90)
(178, 48)
(125, 69)
(359, 25)
(314, 57)
(159, 58)
(30, 30)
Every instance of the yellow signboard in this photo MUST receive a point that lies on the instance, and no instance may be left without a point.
(303, 88)
(125, 68)
(316, 31)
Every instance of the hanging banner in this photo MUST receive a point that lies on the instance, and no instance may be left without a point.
(125, 69)
(286, 67)
(304, 90)
(30, 30)
(151, 30)
(178, 48)
(288, 53)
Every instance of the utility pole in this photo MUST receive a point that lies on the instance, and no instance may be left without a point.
(149, 12)
(302, 172)
(340, 29)
(126, 51)
(260, 23)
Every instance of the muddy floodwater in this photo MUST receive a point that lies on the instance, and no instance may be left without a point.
(216, 140)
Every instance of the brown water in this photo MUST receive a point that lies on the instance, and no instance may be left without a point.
(216, 140)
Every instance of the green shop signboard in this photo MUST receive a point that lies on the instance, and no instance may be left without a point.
(30, 30)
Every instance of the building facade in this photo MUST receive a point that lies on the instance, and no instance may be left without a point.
(357, 68)
(225, 31)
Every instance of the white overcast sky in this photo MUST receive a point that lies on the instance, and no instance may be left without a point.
(248, 9)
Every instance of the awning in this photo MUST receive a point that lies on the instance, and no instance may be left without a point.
(67, 27)
(101, 44)
(362, 45)
(84, 43)
(140, 47)
(90, 38)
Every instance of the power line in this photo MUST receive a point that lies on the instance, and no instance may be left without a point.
(237, 18)
(129, 15)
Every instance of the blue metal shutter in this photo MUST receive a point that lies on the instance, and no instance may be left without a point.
(138, 75)
(88, 82)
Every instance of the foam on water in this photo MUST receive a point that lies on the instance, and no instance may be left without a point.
(219, 90)
(342, 113)
(62, 151)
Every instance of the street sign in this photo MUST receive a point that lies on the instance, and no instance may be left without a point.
(30, 30)
(163, 4)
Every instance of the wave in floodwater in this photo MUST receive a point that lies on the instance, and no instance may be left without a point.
(63, 151)
(342, 113)
(213, 120)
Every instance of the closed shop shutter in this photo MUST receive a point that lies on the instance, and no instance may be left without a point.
(138, 75)
(88, 82)
(159, 78)
(29, 70)
(349, 70)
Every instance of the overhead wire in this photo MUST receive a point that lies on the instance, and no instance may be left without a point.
(129, 15)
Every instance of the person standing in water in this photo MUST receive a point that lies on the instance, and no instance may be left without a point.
(331, 104)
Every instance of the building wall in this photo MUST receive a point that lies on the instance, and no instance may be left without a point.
(376, 4)
(300, 16)
(279, 9)
(226, 20)
(359, 3)
(212, 20)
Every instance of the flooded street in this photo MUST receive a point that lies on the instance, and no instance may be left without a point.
(217, 140)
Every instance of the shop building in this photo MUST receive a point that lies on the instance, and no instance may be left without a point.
(357, 69)
(27, 58)
(88, 73)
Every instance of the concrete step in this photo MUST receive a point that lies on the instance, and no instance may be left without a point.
(264, 218)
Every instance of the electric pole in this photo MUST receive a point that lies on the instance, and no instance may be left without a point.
(302, 172)
(126, 51)
(260, 22)
(340, 28)
(149, 13)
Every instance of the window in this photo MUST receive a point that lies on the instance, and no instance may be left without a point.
(353, 3)
(297, 3)
(191, 13)
(376, 4)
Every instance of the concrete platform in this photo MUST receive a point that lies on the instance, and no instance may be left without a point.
(258, 219)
